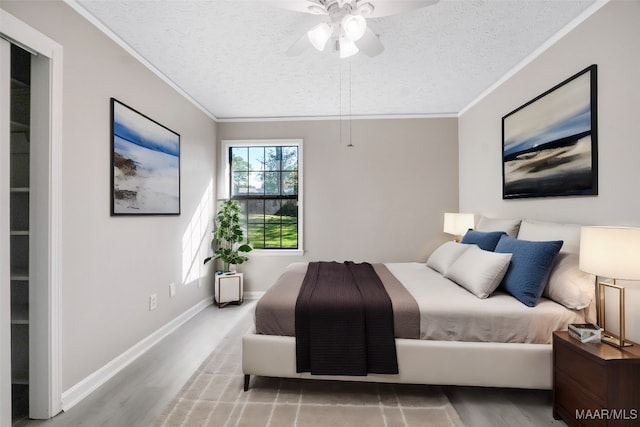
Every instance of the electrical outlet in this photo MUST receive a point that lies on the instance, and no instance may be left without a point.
(153, 302)
(172, 290)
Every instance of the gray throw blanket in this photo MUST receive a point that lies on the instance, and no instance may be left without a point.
(344, 321)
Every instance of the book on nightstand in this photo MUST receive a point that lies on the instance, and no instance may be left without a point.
(585, 332)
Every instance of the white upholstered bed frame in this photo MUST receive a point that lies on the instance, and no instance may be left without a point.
(485, 364)
(419, 362)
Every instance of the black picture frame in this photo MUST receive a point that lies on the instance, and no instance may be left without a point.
(145, 164)
(550, 144)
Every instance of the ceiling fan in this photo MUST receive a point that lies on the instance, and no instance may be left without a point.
(345, 22)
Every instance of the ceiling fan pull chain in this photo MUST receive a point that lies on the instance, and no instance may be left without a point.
(350, 144)
(340, 101)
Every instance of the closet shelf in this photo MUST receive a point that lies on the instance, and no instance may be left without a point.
(18, 84)
(20, 274)
(20, 314)
(18, 126)
(20, 378)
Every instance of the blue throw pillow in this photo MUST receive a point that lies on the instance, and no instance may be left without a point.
(487, 240)
(530, 265)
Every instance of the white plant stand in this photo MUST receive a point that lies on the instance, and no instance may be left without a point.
(228, 289)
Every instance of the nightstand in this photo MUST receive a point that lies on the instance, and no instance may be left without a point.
(595, 384)
(228, 288)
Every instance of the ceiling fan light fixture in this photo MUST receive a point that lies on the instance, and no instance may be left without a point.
(354, 26)
(347, 47)
(364, 9)
(316, 9)
(319, 35)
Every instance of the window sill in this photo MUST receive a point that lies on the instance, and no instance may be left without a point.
(277, 252)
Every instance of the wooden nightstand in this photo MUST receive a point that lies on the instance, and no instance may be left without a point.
(595, 384)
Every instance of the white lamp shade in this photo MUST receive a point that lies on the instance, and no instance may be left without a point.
(347, 47)
(612, 252)
(458, 223)
(319, 35)
(354, 26)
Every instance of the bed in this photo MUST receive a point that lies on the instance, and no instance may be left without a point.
(461, 333)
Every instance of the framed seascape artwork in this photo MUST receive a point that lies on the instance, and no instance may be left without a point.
(549, 145)
(145, 164)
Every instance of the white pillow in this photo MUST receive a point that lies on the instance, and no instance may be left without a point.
(568, 285)
(509, 226)
(445, 255)
(543, 231)
(478, 271)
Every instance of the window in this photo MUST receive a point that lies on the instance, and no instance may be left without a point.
(265, 177)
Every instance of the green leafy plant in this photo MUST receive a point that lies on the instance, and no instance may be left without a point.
(229, 237)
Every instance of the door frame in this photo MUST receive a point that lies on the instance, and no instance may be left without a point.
(45, 398)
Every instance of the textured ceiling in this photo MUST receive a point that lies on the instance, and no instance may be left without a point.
(230, 55)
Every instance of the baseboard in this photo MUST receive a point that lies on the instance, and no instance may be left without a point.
(82, 389)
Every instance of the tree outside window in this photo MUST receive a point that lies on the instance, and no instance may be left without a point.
(264, 180)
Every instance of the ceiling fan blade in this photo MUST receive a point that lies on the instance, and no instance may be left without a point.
(295, 5)
(370, 44)
(392, 7)
(299, 46)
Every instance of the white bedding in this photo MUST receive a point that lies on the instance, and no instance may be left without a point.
(449, 312)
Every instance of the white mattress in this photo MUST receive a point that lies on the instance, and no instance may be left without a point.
(449, 312)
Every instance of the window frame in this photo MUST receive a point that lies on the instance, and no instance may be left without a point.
(225, 162)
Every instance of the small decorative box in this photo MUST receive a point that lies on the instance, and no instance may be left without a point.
(585, 332)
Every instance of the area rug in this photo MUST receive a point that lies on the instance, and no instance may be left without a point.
(214, 397)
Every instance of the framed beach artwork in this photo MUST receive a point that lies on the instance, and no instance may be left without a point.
(549, 144)
(145, 164)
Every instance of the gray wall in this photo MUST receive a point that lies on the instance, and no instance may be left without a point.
(609, 38)
(381, 200)
(112, 264)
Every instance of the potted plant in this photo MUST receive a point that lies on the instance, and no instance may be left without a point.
(229, 237)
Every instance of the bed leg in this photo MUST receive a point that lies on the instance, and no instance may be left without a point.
(246, 382)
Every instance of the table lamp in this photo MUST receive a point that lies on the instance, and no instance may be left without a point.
(458, 223)
(614, 253)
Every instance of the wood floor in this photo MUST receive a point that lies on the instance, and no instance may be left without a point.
(501, 407)
(137, 395)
